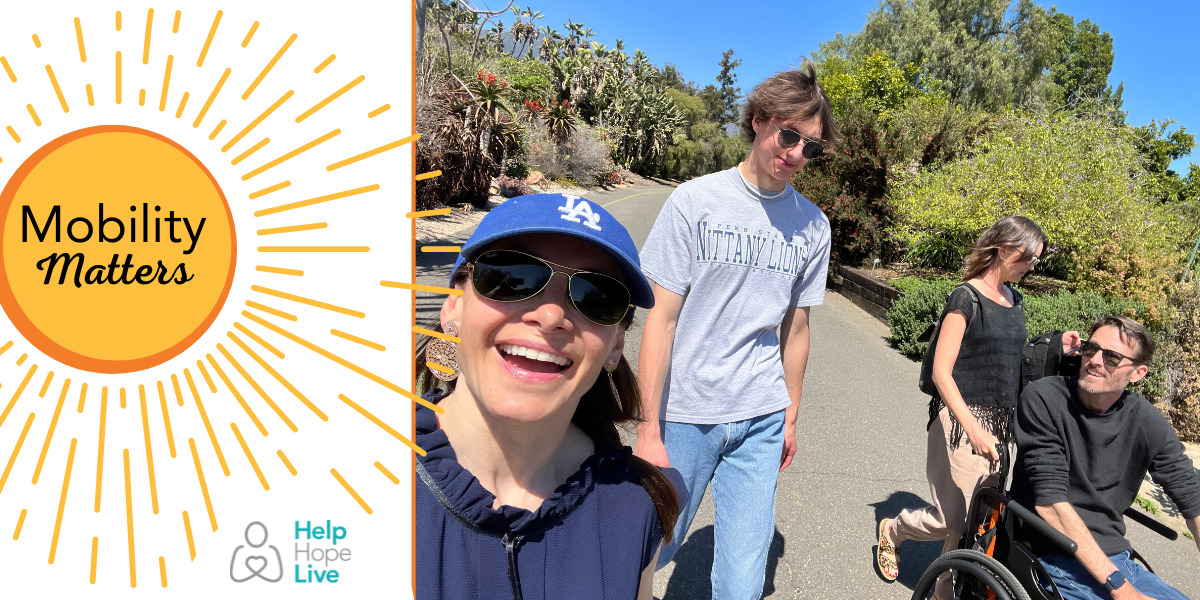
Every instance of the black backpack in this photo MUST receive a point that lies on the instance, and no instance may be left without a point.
(1043, 357)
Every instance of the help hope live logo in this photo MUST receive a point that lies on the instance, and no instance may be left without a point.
(315, 552)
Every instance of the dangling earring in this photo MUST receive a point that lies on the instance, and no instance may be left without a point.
(612, 385)
(443, 353)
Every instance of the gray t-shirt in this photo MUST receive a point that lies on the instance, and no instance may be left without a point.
(740, 261)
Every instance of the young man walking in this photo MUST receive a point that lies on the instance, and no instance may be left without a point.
(736, 256)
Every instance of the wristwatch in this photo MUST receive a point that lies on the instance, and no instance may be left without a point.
(1114, 581)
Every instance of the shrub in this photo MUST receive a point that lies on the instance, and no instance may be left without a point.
(542, 152)
(586, 159)
(581, 157)
(853, 181)
(1080, 180)
(511, 187)
(447, 145)
(704, 149)
(911, 314)
(944, 250)
(1181, 402)
(530, 79)
(1077, 311)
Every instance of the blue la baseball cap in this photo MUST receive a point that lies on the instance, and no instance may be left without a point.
(564, 214)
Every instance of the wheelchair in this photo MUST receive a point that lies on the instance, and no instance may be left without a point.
(992, 564)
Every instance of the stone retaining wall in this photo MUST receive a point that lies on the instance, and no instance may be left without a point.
(872, 294)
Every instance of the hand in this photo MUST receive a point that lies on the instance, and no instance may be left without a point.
(1128, 592)
(1070, 341)
(652, 450)
(984, 444)
(789, 446)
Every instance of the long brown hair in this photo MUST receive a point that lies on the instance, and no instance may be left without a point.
(1010, 232)
(598, 415)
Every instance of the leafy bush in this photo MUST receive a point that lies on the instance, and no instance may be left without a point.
(530, 79)
(945, 250)
(1181, 402)
(511, 187)
(907, 283)
(852, 182)
(581, 157)
(1081, 180)
(1077, 311)
(911, 314)
(876, 82)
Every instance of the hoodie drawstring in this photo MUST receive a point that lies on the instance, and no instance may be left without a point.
(511, 542)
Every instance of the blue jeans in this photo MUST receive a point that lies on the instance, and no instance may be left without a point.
(1075, 583)
(741, 460)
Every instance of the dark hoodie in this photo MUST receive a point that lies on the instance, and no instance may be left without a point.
(591, 539)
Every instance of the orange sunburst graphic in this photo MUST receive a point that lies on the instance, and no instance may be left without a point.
(198, 208)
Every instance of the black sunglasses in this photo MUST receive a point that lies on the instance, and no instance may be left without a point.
(1111, 358)
(512, 276)
(788, 139)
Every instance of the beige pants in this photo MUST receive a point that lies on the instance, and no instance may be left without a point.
(954, 474)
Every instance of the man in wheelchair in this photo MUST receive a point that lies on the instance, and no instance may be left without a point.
(1084, 446)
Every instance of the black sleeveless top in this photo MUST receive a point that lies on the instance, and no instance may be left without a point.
(988, 368)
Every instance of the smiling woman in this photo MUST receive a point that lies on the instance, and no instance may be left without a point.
(525, 479)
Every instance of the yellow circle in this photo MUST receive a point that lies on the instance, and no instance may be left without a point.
(118, 249)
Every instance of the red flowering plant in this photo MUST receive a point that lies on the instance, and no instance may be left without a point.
(488, 90)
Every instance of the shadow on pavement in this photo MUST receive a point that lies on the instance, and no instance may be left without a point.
(915, 556)
(691, 579)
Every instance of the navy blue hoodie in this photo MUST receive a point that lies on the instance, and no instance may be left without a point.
(592, 538)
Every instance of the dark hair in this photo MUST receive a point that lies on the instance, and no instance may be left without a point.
(598, 415)
(1010, 232)
(793, 94)
(1129, 330)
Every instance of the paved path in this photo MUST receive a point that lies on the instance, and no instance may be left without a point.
(861, 432)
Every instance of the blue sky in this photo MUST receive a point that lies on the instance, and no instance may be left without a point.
(1157, 56)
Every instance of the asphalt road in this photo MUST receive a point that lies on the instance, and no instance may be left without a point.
(860, 432)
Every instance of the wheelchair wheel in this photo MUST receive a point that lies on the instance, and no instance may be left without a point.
(977, 576)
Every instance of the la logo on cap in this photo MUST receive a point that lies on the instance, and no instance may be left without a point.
(573, 211)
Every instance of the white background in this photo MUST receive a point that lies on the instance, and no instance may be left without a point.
(368, 38)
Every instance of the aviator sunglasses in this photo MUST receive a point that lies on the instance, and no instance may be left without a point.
(1111, 358)
(788, 139)
(512, 276)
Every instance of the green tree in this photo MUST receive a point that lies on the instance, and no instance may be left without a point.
(1159, 149)
(989, 54)
(711, 97)
(1086, 60)
(672, 78)
(690, 107)
(728, 92)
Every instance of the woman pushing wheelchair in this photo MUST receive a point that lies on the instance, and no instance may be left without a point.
(976, 368)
